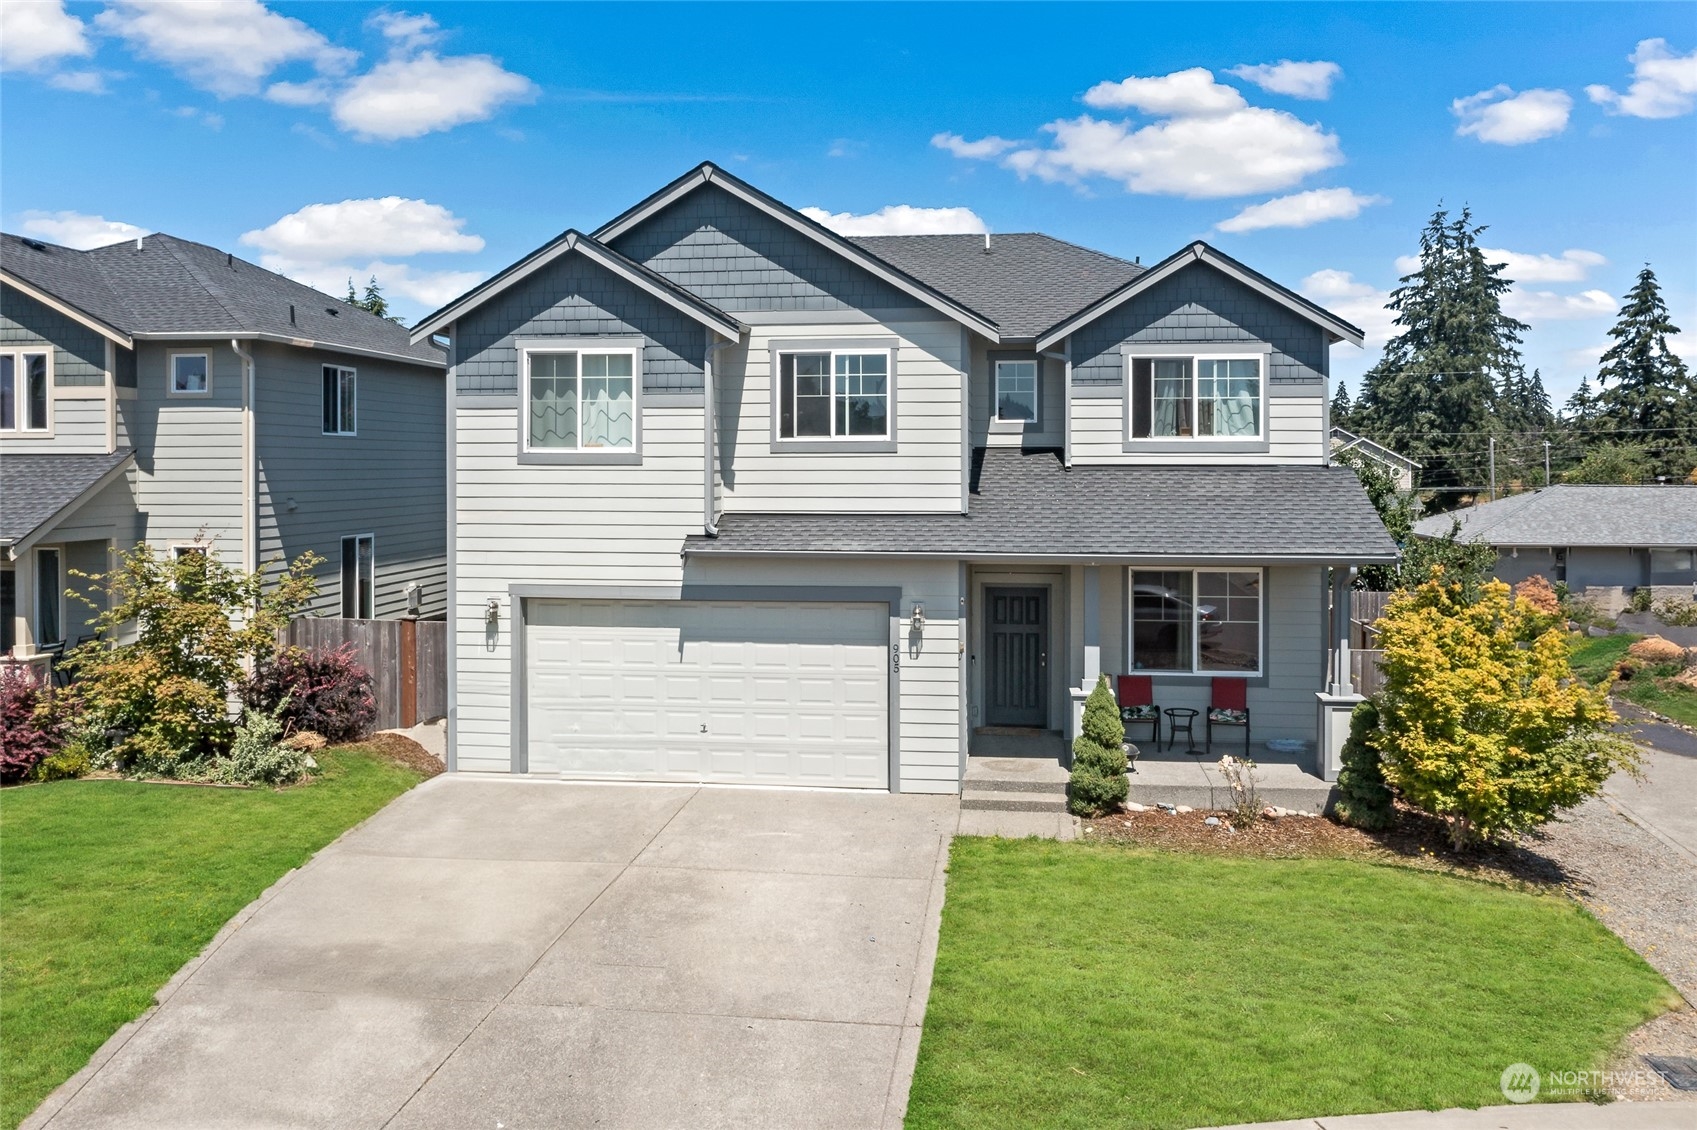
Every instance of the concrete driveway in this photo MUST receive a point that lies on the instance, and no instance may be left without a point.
(512, 954)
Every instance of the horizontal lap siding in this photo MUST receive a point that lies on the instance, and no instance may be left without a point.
(188, 452)
(1295, 427)
(79, 428)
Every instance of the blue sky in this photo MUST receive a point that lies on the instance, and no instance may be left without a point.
(434, 143)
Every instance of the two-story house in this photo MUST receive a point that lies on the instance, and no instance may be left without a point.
(738, 499)
(164, 391)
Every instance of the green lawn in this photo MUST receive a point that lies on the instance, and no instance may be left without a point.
(1594, 659)
(1091, 985)
(108, 887)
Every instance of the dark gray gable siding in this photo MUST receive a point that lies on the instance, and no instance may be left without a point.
(574, 297)
(1200, 304)
(123, 367)
(79, 354)
(738, 258)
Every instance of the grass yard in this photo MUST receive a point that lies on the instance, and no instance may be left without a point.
(1594, 659)
(108, 887)
(1082, 985)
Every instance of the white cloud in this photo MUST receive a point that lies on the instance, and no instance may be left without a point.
(1536, 306)
(981, 150)
(1298, 80)
(1301, 210)
(79, 82)
(75, 229)
(34, 36)
(425, 289)
(1182, 93)
(846, 147)
(1571, 265)
(227, 47)
(900, 219)
(1664, 85)
(408, 32)
(415, 96)
(315, 92)
(1502, 117)
(378, 226)
(1357, 302)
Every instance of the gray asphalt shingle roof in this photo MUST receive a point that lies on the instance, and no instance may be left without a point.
(1572, 514)
(1026, 283)
(35, 488)
(171, 285)
(1026, 504)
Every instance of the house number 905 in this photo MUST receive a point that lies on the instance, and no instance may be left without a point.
(895, 657)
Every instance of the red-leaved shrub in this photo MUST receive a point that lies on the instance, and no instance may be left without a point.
(325, 691)
(29, 729)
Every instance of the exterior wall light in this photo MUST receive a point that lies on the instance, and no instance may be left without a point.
(918, 618)
(492, 612)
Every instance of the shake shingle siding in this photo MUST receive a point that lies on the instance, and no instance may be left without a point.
(573, 297)
(79, 354)
(740, 259)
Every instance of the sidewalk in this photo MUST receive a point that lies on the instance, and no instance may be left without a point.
(1531, 1116)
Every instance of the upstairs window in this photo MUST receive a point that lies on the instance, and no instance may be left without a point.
(190, 374)
(23, 392)
(580, 400)
(1196, 398)
(341, 387)
(835, 394)
(1016, 391)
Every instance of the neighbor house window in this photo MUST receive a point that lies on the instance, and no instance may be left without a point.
(1196, 398)
(580, 400)
(834, 394)
(340, 389)
(1016, 391)
(23, 392)
(1201, 621)
(359, 576)
(191, 374)
(49, 598)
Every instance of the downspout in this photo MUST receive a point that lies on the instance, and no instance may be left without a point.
(1065, 357)
(250, 502)
(710, 440)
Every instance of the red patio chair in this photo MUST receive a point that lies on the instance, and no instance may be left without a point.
(1136, 694)
(1229, 706)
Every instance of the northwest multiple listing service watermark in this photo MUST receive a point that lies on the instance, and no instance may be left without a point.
(1521, 1082)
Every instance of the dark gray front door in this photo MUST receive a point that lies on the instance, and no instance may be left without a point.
(1017, 677)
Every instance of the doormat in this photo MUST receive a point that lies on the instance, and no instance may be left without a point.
(1680, 1071)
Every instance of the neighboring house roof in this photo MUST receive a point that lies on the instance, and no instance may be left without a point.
(1345, 440)
(165, 288)
(1643, 517)
(1026, 504)
(1026, 281)
(35, 490)
(1200, 252)
(567, 242)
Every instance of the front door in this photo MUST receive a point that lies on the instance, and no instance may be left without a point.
(1016, 689)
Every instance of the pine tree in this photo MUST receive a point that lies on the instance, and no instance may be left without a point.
(373, 300)
(1642, 386)
(1342, 406)
(353, 295)
(1581, 407)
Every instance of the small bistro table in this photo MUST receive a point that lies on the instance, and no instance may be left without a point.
(1182, 719)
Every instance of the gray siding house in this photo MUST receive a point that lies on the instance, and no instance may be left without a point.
(737, 499)
(164, 391)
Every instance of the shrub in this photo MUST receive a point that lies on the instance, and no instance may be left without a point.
(1677, 613)
(72, 760)
(1483, 723)
(1655, 650)
(1246, 795)
(325, 691)
(256, 758)
(1640, 599)
(1364, 800)
(1540, 594)
(1098, 756)
(31, 726)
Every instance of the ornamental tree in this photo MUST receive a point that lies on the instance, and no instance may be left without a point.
(1482, 721)
(1098, 755)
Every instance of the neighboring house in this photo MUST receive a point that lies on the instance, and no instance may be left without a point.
(164, 391)
(1601, 541)
(1401, 467)
(738, 499)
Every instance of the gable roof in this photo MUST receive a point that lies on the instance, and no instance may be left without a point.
(1200, 252)
(1567, 514)
(709, 173)
(163, 288)
(37, 489)
(1026, 281)
(569, 241)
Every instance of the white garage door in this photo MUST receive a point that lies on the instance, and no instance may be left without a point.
(751, 692)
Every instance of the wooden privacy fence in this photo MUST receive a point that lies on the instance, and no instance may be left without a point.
(1364, 671)
(1365, 608)
(408, 661)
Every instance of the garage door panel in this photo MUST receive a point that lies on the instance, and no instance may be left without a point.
(712, 691)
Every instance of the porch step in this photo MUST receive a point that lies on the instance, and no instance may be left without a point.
(1014, 784)
(1013, 741)
(982, 800)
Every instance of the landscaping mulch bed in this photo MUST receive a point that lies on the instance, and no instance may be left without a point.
(404, 751)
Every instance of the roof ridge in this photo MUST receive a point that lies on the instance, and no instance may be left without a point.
(219, 295)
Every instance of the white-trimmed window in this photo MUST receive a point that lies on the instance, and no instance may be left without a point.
(25, 393)
(1016, 391)
(189, 374)
(1196, 621)
(1200, 397)
(359, 576)
(580, 400)
(49, 597)
(341, 389)
(834, 394)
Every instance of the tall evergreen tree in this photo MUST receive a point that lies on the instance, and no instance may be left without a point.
(353, 295)
(374, 300)
(1342, 407)
(1642, 386)
(1439, 377)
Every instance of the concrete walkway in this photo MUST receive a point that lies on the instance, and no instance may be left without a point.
(1531, 1116)
(1664, 801)
(487, 953)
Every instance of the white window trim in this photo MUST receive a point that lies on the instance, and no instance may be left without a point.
(1195, 671)
(833, 348)
(342, 580)
(171, 373)
(18, 429)
(580, 454)
(340, 370)
(1131, 352)
(1036, 421)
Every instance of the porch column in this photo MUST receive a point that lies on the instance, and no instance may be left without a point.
(1339, 699)
(1092, 626)
(1341, 682)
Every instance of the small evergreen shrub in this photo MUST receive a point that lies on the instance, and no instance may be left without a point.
(256, 758)
(1364, 800)
(1098, 782)
(325, 691)
(31, 727)
(72, 760)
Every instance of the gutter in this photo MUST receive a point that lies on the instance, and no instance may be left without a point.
(250, 501)
(301, 343)
(710, 441)
(1177, 560)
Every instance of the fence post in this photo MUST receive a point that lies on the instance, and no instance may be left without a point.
(409, 673)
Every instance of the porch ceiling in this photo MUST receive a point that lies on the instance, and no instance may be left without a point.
(1025, 504)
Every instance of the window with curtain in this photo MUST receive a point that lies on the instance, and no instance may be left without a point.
(1228, 397)
(580, 400)
(1196, 398)
(23, 392)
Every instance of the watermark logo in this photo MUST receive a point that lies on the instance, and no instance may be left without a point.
(1520, 1083)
